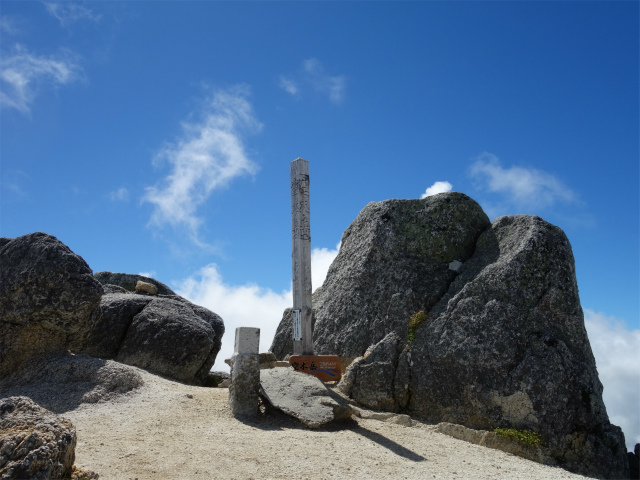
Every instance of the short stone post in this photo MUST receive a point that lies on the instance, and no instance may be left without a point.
(245, 373)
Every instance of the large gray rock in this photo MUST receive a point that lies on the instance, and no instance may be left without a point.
(505, 346)
(46, 296)
(394, 260)
(128, 281)
(302, 396)
(35, 444)
(173, 337)
(167, 335)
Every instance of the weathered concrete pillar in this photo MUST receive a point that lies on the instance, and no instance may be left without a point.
(245, 372)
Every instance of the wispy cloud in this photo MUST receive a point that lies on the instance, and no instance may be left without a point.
(119, 195)
(332, 85)
(13, 185)
(8, 25)
(207, 156)
(70, 12)
(617, 352)
(524, 187)
(23, 75)
(238, 304)
(437, 187)
(289, 85)
(312, 74)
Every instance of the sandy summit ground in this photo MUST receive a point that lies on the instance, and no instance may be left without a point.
(167, 430)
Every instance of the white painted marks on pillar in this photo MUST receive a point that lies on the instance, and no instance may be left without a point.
(297, 325)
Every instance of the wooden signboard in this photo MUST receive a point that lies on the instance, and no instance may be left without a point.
(324, 367)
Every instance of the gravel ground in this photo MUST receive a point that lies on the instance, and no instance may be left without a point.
(167, 430)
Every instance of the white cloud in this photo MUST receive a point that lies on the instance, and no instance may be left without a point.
(288, 85)
(526, 187)
(438, 187)
(150, 274)
(68, 12)
(208, 155)
(120, 195)
(617, 353)
(313, 75)
(333, 86)
(239, 306)
(22, 74)
(246, 305)
(321, 260)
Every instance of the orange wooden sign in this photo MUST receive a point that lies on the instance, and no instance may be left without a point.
(324, 367)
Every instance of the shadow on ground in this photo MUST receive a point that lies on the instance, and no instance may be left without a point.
(62, 383)
(272, 419)
(389, 444)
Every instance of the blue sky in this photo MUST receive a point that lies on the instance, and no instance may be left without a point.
(155, 137)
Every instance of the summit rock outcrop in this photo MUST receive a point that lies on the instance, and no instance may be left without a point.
(394, 260)
(450, 318)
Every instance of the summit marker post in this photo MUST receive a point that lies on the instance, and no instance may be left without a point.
(324, 367)
(302, 315)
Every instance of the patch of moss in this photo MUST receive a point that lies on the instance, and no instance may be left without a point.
(525, 436)
(414, 322)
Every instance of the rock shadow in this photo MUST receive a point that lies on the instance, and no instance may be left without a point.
(63, 383)
(270, 418)
(389, 444)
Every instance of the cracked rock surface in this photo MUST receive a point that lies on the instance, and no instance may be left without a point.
(35, 444)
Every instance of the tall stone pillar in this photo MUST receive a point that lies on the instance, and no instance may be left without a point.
(301, 258)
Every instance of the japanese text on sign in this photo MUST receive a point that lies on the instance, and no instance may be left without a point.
(324, 367)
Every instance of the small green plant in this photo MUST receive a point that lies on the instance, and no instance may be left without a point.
(414, 322)
(525, 436)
